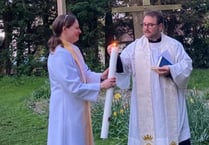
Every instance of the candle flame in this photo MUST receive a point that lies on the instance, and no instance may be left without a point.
(114, 44)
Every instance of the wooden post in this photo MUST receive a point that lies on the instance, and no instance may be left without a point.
(146, 2)
(137, 13)
(61, 7)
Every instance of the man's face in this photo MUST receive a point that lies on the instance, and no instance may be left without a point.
(151, 29)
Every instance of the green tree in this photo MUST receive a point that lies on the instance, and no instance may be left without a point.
(196, 26)
(190, 25)
(27, 31)
(91, 15)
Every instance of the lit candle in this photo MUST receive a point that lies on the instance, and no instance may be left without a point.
(109, 92)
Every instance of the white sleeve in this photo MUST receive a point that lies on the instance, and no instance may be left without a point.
(123, 80)
(182, 68)
(127, 59)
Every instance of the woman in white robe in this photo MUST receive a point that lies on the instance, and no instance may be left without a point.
(73, 85)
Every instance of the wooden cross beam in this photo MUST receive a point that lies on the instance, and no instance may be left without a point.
(61, 7)
(137, 13)
(145, 8)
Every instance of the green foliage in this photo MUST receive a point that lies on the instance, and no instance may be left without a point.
(42, 92)
(93, 63)
(198, 117)
(90, 14)
(33, 65)
(26, 24)
(194, 20)
(118, 127)
(120, 116)
(199, 46)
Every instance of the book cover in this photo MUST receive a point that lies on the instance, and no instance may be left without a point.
(163, 61)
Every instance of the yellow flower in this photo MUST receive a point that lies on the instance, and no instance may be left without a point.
(121, 111)
(117, 96)
(114, 113)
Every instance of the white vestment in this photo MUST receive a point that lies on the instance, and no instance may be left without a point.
(67, 118)
(180, 72)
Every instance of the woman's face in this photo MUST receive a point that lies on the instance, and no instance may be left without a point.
(72, 33)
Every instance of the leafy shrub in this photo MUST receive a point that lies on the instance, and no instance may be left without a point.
(43, 92)
(199, 52)
(118, 127)
(118, 130)
(198, 117)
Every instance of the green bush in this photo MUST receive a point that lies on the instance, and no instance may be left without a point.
(198, 117)
(39, 99)
(199, 52)
(43, 92)
(118, 127)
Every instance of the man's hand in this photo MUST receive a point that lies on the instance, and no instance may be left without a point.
(162, 71)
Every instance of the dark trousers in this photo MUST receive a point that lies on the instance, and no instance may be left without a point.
(186, 142)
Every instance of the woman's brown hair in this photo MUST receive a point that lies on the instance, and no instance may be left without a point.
(57, 26)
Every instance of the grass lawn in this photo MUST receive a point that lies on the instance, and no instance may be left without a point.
(199, 79)
(19, 125)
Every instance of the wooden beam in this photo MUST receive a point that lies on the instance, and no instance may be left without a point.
(146, 8)
(146, 2)
(61, 7)
(137, 20)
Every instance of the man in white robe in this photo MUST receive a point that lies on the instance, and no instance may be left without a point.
(158, 113)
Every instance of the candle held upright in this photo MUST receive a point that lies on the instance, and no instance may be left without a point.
(109, 93)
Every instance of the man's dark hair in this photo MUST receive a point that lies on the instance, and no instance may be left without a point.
(157, 14)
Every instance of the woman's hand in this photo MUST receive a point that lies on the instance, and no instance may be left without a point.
(105, 74)
(108, 83)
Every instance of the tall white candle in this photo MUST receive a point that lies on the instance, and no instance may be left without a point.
(109, 94)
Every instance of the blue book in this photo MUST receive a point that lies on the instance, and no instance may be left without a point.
(163, 61)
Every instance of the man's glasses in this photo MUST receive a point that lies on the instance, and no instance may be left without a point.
(149, 25)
